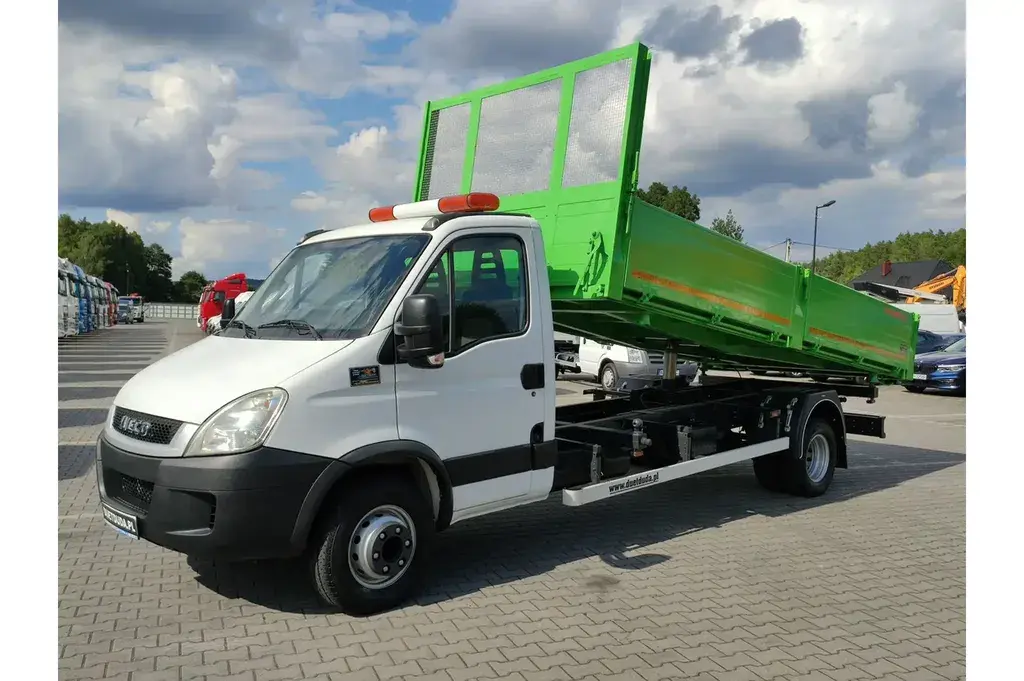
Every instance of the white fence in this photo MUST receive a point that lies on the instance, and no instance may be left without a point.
(171, 310)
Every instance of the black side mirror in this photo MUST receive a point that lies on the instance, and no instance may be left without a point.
(228, 313)
(420, 332)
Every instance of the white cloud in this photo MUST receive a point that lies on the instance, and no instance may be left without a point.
(892, 118)
(127, 220)
(210, 245)
(162, 120)
(866, 210)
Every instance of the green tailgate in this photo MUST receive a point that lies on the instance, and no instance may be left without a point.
(562, 145)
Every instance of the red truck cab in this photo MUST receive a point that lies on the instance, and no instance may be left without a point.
(211, 302)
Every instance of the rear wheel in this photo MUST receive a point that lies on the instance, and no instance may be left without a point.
(369, 553)
(807, 476)
(811, 475)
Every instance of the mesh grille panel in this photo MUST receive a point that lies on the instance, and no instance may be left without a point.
(600, 100)
(445, 155)
(516, 139)
(136, 493)
(144, 427)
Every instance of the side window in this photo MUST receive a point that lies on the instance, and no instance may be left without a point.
(483, 278)
(438, 283)
(489, 289)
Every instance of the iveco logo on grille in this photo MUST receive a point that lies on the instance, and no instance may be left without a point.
(134, 426)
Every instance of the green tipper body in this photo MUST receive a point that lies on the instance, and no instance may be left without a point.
(563, 146)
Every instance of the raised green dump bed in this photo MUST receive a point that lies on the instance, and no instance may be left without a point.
(563, 145)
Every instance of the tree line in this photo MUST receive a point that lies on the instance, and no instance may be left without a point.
(907, 247)
(109, 251)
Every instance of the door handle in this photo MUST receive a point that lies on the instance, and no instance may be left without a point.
(532, 376)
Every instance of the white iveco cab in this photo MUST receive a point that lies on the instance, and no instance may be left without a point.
(393, 378)
(252, 442)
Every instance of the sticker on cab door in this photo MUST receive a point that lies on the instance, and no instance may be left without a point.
(364, 375)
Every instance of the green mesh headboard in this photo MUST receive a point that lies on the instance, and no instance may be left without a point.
(561, 145)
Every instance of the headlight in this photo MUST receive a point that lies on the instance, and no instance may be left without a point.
(951, 367)
(634, 356)
(240, 425)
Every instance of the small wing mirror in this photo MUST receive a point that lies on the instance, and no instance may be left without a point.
(229, 311)
(419, 333)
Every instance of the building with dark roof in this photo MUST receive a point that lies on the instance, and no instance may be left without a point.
(904, 275)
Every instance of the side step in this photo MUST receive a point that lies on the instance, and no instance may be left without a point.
(588, 494)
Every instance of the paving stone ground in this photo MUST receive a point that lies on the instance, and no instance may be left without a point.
(707, 578)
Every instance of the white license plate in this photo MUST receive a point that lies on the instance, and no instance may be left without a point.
(125, 524)
(920, 377)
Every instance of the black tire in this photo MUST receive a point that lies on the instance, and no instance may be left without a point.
(770, 472)
(333, 576)
(609, 374)
(797, 478)
(914, 388)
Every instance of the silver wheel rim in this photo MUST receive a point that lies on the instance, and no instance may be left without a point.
(817, 457)
(382, 547)
(608, 378)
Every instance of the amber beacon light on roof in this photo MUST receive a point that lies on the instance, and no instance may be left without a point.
(474, 202)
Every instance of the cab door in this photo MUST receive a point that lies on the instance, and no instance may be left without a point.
(485, 407)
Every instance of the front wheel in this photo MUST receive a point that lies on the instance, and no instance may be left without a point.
(914, 388)
(369, 554)
(609, 376)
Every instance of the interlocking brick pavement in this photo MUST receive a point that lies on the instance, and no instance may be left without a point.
(708, 578)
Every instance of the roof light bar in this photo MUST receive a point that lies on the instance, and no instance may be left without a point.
(473, 202)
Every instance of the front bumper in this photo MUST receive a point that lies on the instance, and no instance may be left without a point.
(237, 506)
(942, 380)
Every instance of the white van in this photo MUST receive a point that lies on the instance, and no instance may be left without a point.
(610, 363)
(935, 317)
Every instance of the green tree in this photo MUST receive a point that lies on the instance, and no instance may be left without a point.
(189, 287)
(111, 252)
(675, 200)
(158, 273)
(729, 226)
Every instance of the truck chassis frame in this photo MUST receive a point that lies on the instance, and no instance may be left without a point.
(624, 441)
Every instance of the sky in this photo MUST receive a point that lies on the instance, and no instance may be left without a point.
(225, 130)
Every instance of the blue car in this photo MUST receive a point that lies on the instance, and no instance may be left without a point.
(944, 370)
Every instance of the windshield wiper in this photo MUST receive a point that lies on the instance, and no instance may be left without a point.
(249, 331)
(296, 324)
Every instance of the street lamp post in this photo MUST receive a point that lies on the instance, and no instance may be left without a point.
(814, 245)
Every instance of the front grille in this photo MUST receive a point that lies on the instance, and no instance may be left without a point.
(145, 427)
(133, 492)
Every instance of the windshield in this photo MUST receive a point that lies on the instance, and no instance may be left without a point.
(957, 346)
(332, 289)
